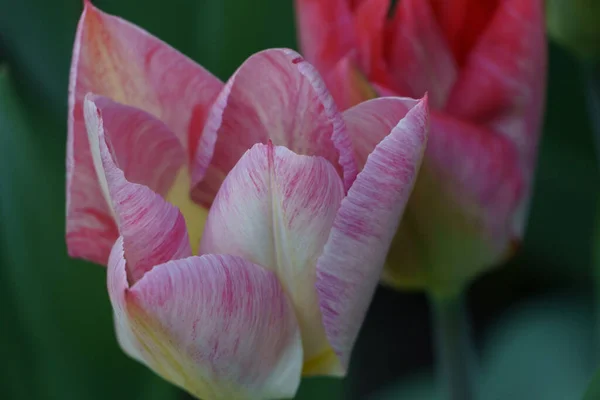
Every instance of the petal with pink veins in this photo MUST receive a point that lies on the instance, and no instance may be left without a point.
(502, 85)
(276, 209)
(326, 31)
(370, 18)
(371, 121)
(154, 231)
(418, 53)
(217, 326)
(114, 58)
(349, 268)
(275, 95)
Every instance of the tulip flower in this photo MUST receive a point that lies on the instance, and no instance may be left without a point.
(274, 282)
(483, 64)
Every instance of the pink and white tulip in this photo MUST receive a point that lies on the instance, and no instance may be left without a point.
(483, 64)
(279, 283)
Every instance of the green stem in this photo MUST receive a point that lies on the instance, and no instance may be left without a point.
(453, 346)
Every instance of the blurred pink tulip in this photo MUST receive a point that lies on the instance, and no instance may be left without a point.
(483, 64)
(278, 284)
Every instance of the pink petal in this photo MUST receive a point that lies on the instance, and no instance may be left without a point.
(351, 263)
(370, 18)
(217, 326)
(154, 231)
(326, 31)
(275, 95)
(503, 82)
(348, 85)
(114, 58)
(370, 122)
(276, 209)
(419, 57)
(463, 22)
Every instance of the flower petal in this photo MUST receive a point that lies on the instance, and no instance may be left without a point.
(351, 263)
(326, 31)
(114, 58)
(218, 326)
(276, 209)
(463, 22)
(371, 121)
(154, 231)
(275, 95)
(418, 53)
(503, 83)
(348, 85)
(370, 18)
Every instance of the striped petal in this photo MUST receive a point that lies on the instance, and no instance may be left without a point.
(502, 85)
(219, 327)
(371, 121)
(370, 18)
(351, 263)
(326, 31)
(419, 58)
(154, 231)
(275, 95)
(114, 58)
(276, 209)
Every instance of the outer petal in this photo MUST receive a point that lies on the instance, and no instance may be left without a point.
(371, 121)
(503, 83)
(458, 219)
(275, 95)
(154, 231)
(276, 209)
(326, 31)
(114, 58)
(218, 326)
(351, 263)
(418, 54)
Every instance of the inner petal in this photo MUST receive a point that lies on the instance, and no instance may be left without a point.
(276, 209)
(463, 22)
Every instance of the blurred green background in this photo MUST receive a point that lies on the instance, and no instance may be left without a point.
(533, 319)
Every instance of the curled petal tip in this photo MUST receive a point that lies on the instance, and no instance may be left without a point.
(273, 95)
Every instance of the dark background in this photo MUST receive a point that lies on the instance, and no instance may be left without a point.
(533, 318)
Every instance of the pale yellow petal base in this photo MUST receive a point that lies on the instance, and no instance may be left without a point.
(194, 214)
